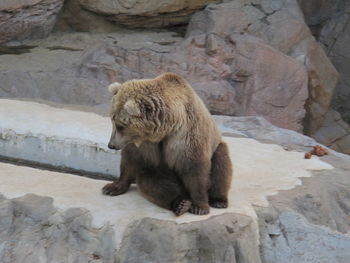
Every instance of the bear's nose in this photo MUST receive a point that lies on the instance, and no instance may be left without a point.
(111, 146)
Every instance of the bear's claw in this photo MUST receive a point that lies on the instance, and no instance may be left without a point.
(181, 207)
(218, 203)
(114, 189)
(199, 210)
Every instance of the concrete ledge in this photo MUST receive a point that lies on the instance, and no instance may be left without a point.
(58, 138)
(76, 142)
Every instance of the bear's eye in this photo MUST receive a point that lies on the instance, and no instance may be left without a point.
(120, 128)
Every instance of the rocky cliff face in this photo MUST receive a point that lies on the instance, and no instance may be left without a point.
(329, 22)
(21, 20)
(247, 57)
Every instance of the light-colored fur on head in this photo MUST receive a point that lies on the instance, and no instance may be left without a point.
(132, 108)
(165, 107)
(114, 87)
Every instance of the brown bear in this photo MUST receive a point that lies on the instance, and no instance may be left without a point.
(170, 145)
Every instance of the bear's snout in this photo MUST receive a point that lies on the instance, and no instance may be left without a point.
(111, 146)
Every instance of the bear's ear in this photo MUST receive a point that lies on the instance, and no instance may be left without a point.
(132, 108)
(114, 87)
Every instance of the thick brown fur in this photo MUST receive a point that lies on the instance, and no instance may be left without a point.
(170, 145)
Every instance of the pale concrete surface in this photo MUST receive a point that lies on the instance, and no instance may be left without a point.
(77, 140)
(57, 137)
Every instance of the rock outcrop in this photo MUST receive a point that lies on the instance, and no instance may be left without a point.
(335, 133)
(329, 22)
(110, 14)
(335, 37)
(21, 20)
(281, 25)
(32, 230)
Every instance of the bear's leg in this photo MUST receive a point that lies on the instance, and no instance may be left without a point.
(129, 168)
(220, 177)
(163, 188)
(195, 176)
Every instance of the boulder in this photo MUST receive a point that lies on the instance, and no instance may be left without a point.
(146, 14)
(37, 69)
(317, 12)
(289, 237)
(27, 19)
(335, 133)
(74, 18)
(281, 25)
(335, 37)
(31, 223)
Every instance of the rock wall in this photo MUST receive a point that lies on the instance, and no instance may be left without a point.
(281, 25)
(246, 57)
(32, 230)
(21, 20)
(329, 22)
(335, 37)
(108, 15)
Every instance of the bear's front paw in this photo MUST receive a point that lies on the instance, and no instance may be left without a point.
(218, 203)
(202, 210)
(115, 188)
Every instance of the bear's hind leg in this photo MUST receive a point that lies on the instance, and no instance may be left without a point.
(162, 187)
(220, 177)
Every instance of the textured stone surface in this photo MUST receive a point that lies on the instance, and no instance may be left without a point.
(226, 238)
(73, 17)
(317, 213)
(32, 230)
(289, 238)
(329, 22)
(260, 129)
(251, 78)
(335, 37)
(235, 76)
(335, 133)
(317, 12)
(151, 13)
(40, 68)
(27, 19)
(280, 24)
(31, 223)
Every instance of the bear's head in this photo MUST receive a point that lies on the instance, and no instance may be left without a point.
(138, 113)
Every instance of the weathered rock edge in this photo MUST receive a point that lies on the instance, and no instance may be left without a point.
(33, 230)
(309, 223)
(31, 223)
